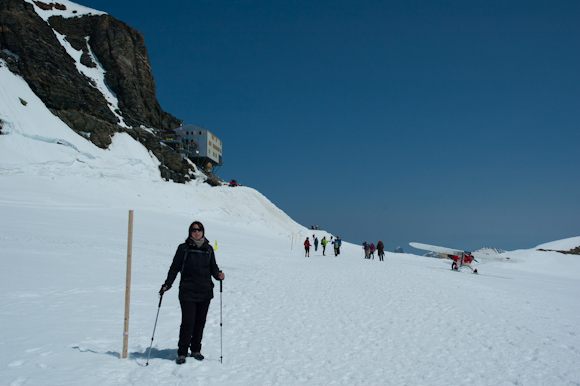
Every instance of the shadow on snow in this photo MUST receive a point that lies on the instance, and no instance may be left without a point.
(167, 354)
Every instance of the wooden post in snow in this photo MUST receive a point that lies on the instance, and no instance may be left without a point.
(128, 286)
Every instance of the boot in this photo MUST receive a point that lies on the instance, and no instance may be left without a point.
(197, 355)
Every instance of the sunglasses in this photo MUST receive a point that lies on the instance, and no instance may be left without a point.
(196, 230)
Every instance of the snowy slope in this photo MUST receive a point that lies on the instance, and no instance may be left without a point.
(560, 245)
(287, 319)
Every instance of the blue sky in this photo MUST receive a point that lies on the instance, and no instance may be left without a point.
(453, 123)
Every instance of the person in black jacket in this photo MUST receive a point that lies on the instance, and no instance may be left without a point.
(195, 260)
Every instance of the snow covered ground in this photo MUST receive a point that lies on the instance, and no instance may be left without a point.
(287, 319)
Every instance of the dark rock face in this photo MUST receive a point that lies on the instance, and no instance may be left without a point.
(31, 49)
(121, 51)
(45, 65)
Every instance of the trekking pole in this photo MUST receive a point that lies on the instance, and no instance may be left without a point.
(154, 327)
(221, 324)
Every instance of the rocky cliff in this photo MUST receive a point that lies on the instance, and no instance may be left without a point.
(40, 45)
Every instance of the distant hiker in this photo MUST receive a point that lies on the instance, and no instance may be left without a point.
(367, 250)
(336, 244)
(195, 259)
(307, 248)
(315, 244)
(372, 250)
(381, 250)
(323, 242)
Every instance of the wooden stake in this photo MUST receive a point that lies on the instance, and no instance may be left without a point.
(128, 286)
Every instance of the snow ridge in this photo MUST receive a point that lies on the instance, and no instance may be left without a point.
(64, 8)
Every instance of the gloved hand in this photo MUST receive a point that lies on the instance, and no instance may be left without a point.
(163, 289)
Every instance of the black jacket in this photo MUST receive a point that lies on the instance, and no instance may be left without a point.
(196, 265)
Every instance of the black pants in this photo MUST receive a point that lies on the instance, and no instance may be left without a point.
(193, 315)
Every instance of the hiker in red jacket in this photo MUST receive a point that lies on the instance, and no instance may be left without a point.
(307, 248)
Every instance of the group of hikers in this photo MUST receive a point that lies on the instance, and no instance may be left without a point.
(371, 248)
(336, 242)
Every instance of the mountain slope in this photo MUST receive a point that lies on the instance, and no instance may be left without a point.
(91, 70)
